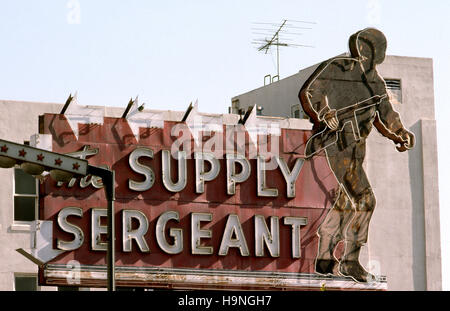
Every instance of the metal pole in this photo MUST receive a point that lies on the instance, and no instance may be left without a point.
(278, 56)
(108, 178)
(111, 235)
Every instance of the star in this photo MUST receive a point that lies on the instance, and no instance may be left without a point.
(76, 166)
(4, 148)
(58, 162)
(40, 157)
(22, 153)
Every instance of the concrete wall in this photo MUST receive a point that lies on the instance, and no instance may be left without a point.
(404, 236)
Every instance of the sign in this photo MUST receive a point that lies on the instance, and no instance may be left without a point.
(345, 98)
(220, 201)
(208, 204)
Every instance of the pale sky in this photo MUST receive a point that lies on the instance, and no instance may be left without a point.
(170, 53)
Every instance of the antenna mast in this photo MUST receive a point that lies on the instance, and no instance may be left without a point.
(272, 38)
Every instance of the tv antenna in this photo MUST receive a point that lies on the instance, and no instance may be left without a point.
(276, 34)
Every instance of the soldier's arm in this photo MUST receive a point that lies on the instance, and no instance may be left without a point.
(314, 100)
(388, 123)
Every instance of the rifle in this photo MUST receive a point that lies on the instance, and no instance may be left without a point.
(328, 137)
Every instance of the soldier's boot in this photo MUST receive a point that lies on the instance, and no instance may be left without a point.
(349, 265)
(326, 266)
(325, 262)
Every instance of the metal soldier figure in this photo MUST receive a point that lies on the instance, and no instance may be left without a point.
(344, 98)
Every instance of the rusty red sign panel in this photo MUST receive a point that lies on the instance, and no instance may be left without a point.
(187, 218)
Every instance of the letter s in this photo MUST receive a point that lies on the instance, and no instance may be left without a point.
(70, 228)
(141, 169)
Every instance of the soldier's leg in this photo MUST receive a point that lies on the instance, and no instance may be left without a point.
(330, 230)
(331, 233)
(356, 235)
(358, 229)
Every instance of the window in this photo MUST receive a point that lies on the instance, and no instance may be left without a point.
(25, 196)
(394, 88)
(25, 282)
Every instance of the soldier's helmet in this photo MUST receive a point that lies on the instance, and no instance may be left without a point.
(370, 43)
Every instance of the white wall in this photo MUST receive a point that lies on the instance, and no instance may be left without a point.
(18, 121)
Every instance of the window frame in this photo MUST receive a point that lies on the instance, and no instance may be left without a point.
(27, 275)
(24, 225)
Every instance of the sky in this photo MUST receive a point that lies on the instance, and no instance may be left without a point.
(170, 53)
